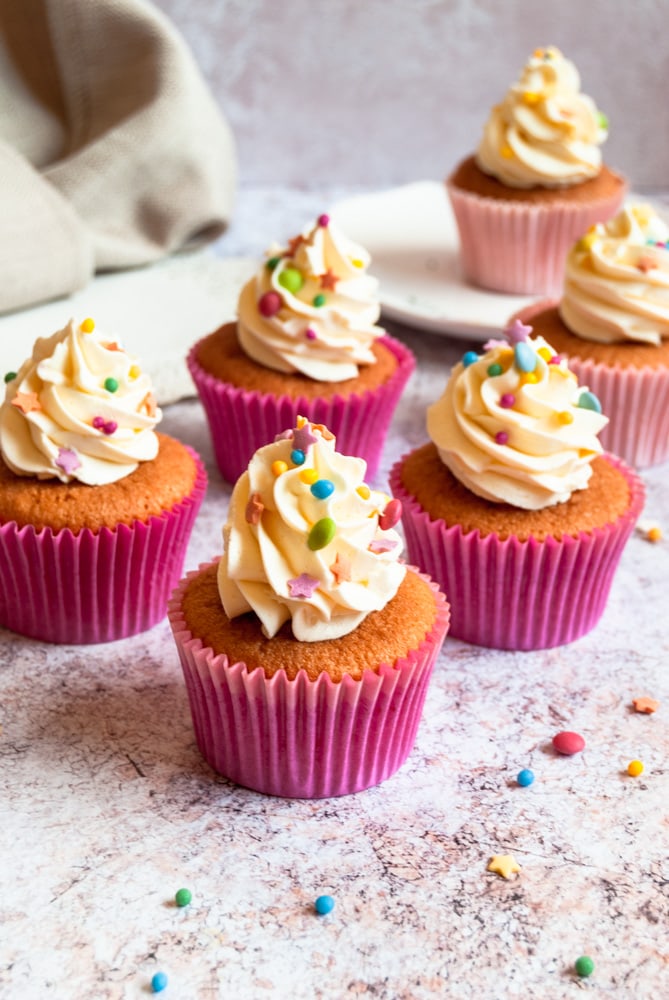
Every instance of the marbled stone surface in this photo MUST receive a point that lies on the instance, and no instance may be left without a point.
(108, 809)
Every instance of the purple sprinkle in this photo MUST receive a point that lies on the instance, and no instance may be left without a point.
(98, 423)
(310, 334)
(507, 400)
(284, 436)
(501, 437)
(109, 427)
(323, 220)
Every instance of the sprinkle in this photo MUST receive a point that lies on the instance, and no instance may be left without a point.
(392, 512)
(357, 262)
(635, 768)
(586, 241)
(646, 263)
(531, 97)
(382, 545)
(645, 705)
(524, 357)
(10, 376)
(507, 400)
(279, 467)
(602, 120)
(494, 369)
(88, 325)
(291, 279)
(303, 586)
(322, 489)
(182, 897)
(109, 427)
(525, 777)
(310, 334)
(308, 476)
(545, 354)
(529, 378)
(506, 151)
(149, 402)
(565, 417)
(269, 304)
(363, 491)
(504, 865)
(517, 332)
(302, 437)
(324, 432)
(134, 371)
(111, 384)
(341, 568)
(321, 534)
(654, 534)
(328, 280)
(469, 358)
(588, 401)
(324, 905)
(555, 359)
(502, 437)
(297, 457)
(272, 263)
(67, 460)
(319, 300)
(283, 436)
(323, 220)
(584, 966)
(112, 346)
(254, 509)
(159, 982)
(295, 244)
(568, 743)
(26, 402)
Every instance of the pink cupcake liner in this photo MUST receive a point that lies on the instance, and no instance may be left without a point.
(521, 248)
(94, 586)
(508, 594)
(302, 738)
(241, 420)
(636, 401)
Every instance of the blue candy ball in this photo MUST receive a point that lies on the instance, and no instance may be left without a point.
(322, 489)
(159, 982)
(469, 358)
(525, 777)
(324, 904)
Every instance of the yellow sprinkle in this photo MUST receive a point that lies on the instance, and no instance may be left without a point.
(363, 491)
(566, 417)
(545, 353)
(357, 262)
(586, 241)
(654, 534)
(301, 421)
(88, 325)
(308, 476)
(506, 151)
(635, 768)
(279, 467)
(529, 378)
(531, 97)
(135, 371)
(538, 53)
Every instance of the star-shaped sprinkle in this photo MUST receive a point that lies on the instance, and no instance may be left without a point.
(303, 585)
(324, 432)
(26, 402)
(646, 263)
(341, 568)
(490, 345)
(254, 509)
(302, 437)
(504, 865)
(295, 244)
(645, 705)
(328, 280)
(517, 332)
(150, 404)
(67, 460)
(382, 545)
(112, 346)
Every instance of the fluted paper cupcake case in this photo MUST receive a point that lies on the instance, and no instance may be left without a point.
(241, 420)
(91, 586)
(636, 401)
(512, 594)
(302, 738)
(521, 248)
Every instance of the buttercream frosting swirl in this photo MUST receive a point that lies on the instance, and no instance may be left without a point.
(312, 307)
(80, 408)
(307, 540)
(514, 426)
(545, 133)
(616, 285)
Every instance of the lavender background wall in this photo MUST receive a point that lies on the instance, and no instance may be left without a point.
(381, 92)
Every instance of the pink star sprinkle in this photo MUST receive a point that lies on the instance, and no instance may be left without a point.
(382, 545)
(517, 332)
(67, 460)
(302, 437)
(303, 585)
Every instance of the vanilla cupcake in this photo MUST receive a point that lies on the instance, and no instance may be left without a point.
(612, 325)
(536, 182)
(308, 646)
(306, 342)
(96, 508)
(512, 506)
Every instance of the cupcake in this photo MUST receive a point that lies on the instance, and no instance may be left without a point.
(96, 508)
(305, 342)
(307, 647)
(512, 506)
(612, 325)
(535, 183)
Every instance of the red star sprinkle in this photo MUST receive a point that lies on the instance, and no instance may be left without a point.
(341, 568)
(254, 509)
(328, 280)
(295, 244)
(26, 402)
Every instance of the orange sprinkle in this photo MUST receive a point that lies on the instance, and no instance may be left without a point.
(645, 705)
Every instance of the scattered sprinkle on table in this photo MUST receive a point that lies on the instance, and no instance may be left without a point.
(584, 966)
(159, 982)
(323, 905)
(182, 897)
(635, 768)
(646, 705)
(568, 743)
(504, 865)
(525, 777)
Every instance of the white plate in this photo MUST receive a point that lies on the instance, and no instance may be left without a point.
(412, 237)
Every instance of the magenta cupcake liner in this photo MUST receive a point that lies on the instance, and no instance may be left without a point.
(508, 594)
(242, 420)
(302, 738)
(94, 586)
(519, 248)
(636, 401)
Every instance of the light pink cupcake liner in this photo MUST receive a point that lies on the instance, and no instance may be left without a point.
(241, 420)
(94, 586)
(301, 738)
(519, 248)
(519, 595)
(636, 401)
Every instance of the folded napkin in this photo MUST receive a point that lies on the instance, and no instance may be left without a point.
(112, 150)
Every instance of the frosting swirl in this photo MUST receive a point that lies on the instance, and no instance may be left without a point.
(79, 409)
(514, 426)
(616, 285)
(545, 133)
(307, 539)
(312, 307)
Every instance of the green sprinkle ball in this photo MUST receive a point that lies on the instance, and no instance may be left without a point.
(584, 966)
(272, 263)
(291, 279)
(319, 300)
(10, 376)
(111, 384)
(182, 897)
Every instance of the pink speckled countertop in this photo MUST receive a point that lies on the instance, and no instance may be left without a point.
(108, 809)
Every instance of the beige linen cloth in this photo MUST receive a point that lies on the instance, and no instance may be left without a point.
(112, 151)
